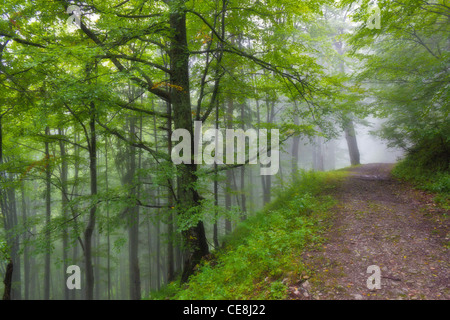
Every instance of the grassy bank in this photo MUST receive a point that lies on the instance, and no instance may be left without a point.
(267, 247)
(428, 179)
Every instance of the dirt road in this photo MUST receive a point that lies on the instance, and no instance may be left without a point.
(383, 222)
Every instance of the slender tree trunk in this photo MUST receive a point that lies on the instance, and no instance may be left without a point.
(47, 220)
(263, 180)
(352, 143)
(251, 191)
(170, 202)
(123, 277)
(133, 220)
(26, 255)
(295, 149)
(242, 180)
(267, 180)
(164, 266)
(216, 205)
(188, 198)
(228, 199)
(150, 269)
(92, 212)
(16, 293)
(97, 267)
(349, 128)
(158, 230)
(33, 286)
(7, 220)
(73, 293)
(229, 173)
(158, 251)
(216, 189)
(108, 236)
(8, 280)
(318, 154)
(63, 177)
(331, 155)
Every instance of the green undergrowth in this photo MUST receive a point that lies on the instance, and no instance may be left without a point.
(265, 249)
(428, 179)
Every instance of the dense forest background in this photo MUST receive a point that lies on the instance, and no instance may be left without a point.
(87, 114)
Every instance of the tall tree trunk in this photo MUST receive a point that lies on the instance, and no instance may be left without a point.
(16, 293)
(242, 180)
(133, 223)
(295, 149)
(63, 177)
(26, 255)
(216, 188)
(97, 267)
(90, 227)
(216, 205)
(8, 280)
(149, 254)
(158, 249)
(108, 236)
(188, 198)
(318, 154)
(352, 143)
(349, 128)
(228, 190)
(331, 155)
(263, 180)
(73, 293)
(158, 230)
(229, 173)
(47, 219)
(267, 180)
(170, 202)
(33, 276)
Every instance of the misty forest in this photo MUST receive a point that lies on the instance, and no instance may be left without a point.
(224, 149)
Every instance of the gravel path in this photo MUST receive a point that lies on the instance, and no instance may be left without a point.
(379, 221)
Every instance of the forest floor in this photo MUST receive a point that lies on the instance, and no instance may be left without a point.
(384, 222)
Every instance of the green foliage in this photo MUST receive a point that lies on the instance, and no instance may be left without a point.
(265, 249)
(405, 64)
(278, 290)
(4, 251)
(432, 180)
(168, 290)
